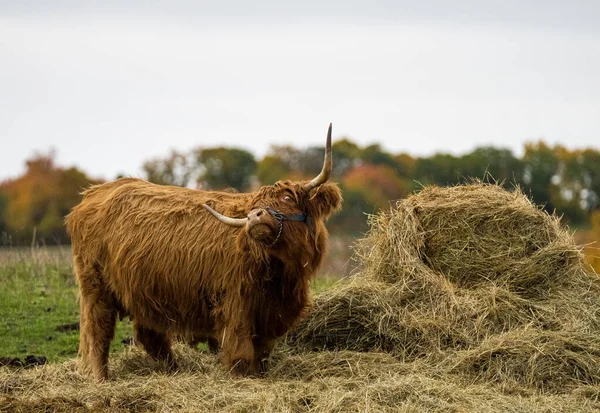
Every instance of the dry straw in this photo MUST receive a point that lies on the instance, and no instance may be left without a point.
(474, 279)
(467, 299)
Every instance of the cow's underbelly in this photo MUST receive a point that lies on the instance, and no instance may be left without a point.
(170, 319)
(165, 308)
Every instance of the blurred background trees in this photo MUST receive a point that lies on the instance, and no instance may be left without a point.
(175, 169)
(560, 180)
(32, 206)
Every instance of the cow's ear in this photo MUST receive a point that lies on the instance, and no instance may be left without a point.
(325, 200)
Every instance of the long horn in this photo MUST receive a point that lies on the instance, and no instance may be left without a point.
(327, 164)
(232, 222)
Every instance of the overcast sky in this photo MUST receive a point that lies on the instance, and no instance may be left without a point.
(113, 83)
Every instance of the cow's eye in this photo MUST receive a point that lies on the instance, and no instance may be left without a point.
(287, 198)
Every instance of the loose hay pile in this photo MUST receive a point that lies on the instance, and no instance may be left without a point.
(473, 280)
(311, 382)
(467, 299)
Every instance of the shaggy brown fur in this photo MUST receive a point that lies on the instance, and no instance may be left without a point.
(153, 253)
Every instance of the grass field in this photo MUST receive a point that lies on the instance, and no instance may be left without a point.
(39, 306)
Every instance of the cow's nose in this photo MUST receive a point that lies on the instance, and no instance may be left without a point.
(256, 215)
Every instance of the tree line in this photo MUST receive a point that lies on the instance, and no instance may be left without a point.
(32, 206)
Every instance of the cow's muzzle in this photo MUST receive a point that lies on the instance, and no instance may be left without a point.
(263, 224)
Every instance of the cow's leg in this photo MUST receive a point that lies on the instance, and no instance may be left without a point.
(213, 345)
(262, 350)
(157, 344)
(237, 351)
(97, 319)
(84, 346)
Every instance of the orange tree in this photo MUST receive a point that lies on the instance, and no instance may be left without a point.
(34, 204)
(367, 188)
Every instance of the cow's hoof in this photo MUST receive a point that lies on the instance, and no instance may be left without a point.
(243, 368)
(263, 366)
(172, 366)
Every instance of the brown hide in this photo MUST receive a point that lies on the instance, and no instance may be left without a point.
(155, 254)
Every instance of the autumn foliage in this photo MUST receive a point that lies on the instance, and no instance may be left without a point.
(33, 205)
(379, 184)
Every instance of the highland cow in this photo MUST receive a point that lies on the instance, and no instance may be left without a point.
(158, 255)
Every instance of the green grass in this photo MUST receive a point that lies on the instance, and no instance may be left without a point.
(38, 295)
(34, 300)
(322, 283)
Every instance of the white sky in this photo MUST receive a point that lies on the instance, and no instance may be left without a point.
(112, 84)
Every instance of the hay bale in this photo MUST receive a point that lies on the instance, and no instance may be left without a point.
(544, 360)
(374, 316)
(472, 234)
(451, 270)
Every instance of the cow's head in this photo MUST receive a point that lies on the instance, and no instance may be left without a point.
(288, 213)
